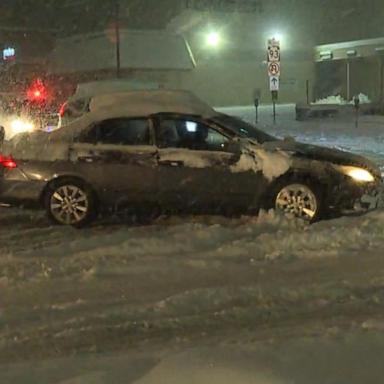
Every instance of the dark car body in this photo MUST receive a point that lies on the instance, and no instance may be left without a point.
(232, 168)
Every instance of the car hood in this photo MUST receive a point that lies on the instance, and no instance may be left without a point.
(314, 152)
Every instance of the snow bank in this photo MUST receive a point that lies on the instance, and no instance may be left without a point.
(331, 100)
(195, 241)
(339, 100)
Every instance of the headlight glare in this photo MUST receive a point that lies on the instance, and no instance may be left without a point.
(358, 174)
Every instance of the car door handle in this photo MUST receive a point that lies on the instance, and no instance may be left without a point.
(171, 163)
(90, 157)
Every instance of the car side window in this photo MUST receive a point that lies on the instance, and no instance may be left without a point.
(120, 132)
(189, 134)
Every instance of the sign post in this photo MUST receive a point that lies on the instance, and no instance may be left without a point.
(274, 71)
(356, 104)
(256, 100)
(275, 95)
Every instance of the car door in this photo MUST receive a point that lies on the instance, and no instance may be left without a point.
(195, 164)
(118, 157)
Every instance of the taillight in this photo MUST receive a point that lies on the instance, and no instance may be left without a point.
(62, 109)
(7, 162)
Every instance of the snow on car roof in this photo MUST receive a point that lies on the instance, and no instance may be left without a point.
(137, 104)
(149, 102)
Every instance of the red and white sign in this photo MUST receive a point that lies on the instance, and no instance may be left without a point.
(274, 69)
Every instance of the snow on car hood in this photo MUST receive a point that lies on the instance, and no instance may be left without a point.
(273, 163)
(314, 152)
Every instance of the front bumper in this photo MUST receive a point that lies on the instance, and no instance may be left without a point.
(350, 196)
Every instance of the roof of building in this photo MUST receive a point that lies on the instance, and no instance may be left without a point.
(159, 50)
(350, 49)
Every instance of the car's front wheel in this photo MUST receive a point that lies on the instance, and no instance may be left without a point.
(70, 202)
(296, 199)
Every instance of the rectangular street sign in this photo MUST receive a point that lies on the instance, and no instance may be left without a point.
(273, 51)
(274, 83)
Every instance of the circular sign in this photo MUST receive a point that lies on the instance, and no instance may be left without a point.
(274, 69)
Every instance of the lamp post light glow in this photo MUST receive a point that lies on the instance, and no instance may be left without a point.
(278, 37)
(213, 39)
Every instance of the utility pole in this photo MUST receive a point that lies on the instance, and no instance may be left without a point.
(348, 80)
(117, 37)
(381, 80)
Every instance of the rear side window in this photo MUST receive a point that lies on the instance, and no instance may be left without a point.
(120, 132)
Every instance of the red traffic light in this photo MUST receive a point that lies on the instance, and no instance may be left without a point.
(37, 92)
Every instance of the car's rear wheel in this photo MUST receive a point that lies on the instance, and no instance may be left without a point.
(70, 202)
(300, 199)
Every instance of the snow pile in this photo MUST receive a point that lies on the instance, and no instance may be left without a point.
(363, 99)
(339, 100)
(197, 241)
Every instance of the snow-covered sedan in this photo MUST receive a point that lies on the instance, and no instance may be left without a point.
(168, 150)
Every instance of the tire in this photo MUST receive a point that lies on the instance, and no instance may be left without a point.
(298, 198)
(70, 202)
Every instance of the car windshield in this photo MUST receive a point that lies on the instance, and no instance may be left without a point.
(242, 128)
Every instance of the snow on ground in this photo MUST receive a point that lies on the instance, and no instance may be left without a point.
(198, 299)
(186, 284)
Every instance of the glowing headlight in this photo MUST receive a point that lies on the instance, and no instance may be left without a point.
(20, 126)
(358, 174)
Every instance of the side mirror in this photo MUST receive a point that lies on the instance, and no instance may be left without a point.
(233, 147)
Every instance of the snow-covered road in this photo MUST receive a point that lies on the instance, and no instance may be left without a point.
(186, 283)
(196, 299)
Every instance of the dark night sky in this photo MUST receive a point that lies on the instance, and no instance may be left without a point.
(316, 21)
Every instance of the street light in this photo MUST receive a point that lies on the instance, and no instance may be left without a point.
(278, 36)
(213, 39)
